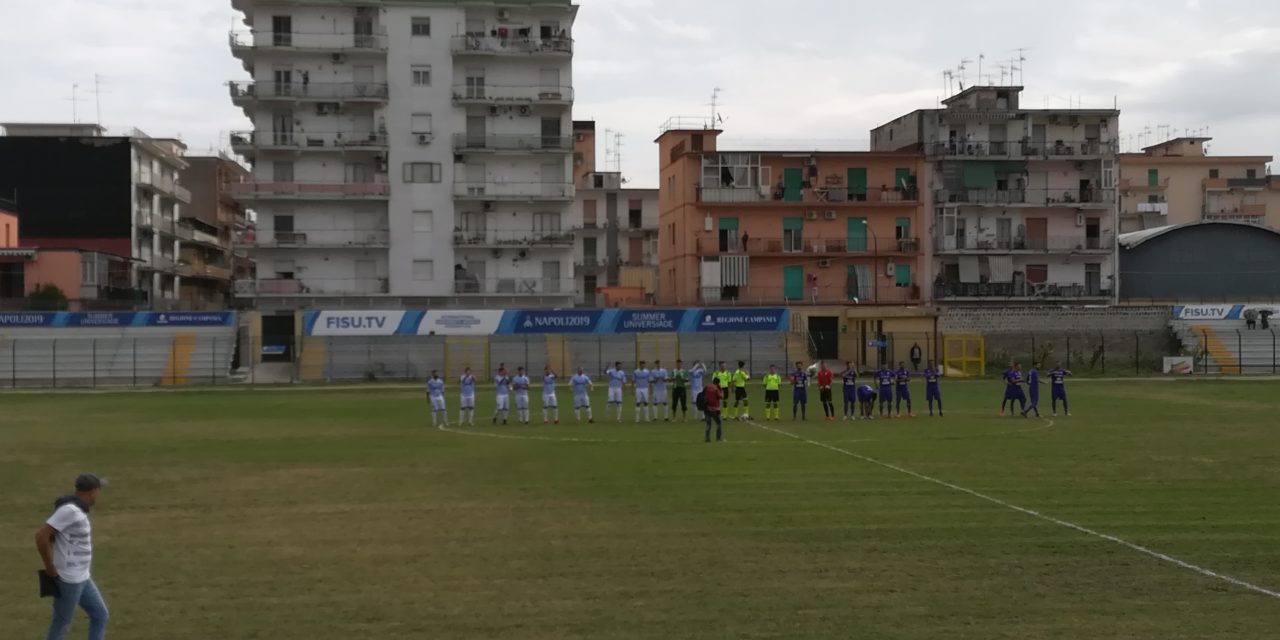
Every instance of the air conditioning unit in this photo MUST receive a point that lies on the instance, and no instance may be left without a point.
(424, 138)
(890, 269)
(493, 110)
(504, 14)
(327, 108)
(830, 215)
(1079, 219)
(812, 215)
(338, 58)
(488, 205)
(525, 110)
(824, 264)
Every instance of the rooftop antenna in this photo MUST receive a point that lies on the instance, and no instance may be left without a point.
(715, 103)
(964, 62)
(97, 96)
(75, 99)
(1022, 62)
(951, 79)
(1004, 70)
(981, 57)
(617, 151)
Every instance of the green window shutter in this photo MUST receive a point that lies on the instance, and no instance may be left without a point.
(858, 181)
(1153, 177)
(728, 224)
(980, 175)
(1011, 166)
(857, 234)
(903, 179)
(902, 275)
(793, 283)
(792, 224)
(792, 184)
(904, 226)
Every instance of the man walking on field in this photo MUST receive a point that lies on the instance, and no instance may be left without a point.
(66, 549)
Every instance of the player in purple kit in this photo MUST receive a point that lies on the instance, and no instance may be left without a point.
(932, 392)
(799, 392)
(849, 378)
(885, 378)
(1058, 388)
(866, 401)
(1033, 390)
(903, 376)
(1013, 388)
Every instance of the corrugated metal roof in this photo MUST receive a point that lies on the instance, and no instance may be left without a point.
(1135, 238)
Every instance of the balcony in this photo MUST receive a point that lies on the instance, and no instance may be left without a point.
(1077, 198)
(1023, 292)
(207, 239)
(591, 265)
(163, 184)
(531, 287)
(1251, 213)
(468, 143)
(158, 262)
(835, 288)
(512, 239)
(485, 45)
(250, 142)
(962, 245)
(312, 287)
(1055, 150)
(322, 239)
(816, 196)
(1231, 184)
(244, 93)
(513, 191)
(245, 42)
(311, 190)
(807, 247)
(512, 94)
(203, 271)
(1127, 184)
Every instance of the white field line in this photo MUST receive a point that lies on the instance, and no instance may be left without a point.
(1035, 514)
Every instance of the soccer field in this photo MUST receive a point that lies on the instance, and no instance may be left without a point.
(293, 514)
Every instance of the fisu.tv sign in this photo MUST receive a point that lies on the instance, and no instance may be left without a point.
(1208, 312)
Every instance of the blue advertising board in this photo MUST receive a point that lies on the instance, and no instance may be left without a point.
(67, 319)
(26, 319)
(741, 320)
(586, 321)
(649, 321)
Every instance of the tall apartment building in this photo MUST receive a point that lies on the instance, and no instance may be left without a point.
(115, 199)
(615, 231)
(762, 227)
(1023, 200)
(208, 230)
(408, 152)
(1177, 182)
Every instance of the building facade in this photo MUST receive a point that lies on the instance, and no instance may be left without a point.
(115, 198)
(615, 232)
(208, 231)
(762, 228)
(1023, 200)
(1177, 182)
(408, 152)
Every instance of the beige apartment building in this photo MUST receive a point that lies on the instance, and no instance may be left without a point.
(1177, 181)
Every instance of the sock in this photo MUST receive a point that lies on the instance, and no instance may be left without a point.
(589, 414)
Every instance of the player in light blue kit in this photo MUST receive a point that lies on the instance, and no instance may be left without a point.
(435, 391)
(641, 377)
(550, 403)
(660, 391)
(467, 401)
(581, 385)
(696, 374)
(617, 379)
(502, 397)
(520, 384)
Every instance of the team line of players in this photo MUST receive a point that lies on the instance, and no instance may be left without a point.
(652, 394)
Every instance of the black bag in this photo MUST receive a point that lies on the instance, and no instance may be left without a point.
(700, 401)
(48, 585)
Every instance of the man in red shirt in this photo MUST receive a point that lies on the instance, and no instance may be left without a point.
(711, 398)
(824, 391)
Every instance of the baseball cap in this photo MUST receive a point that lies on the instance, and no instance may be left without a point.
(89, 482)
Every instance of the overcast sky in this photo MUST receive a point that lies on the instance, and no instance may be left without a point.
(801, 74)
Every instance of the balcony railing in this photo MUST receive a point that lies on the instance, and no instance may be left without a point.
(1091, 198)
(514, 94)
(164, 184)
(834, 289)
(513, 190)
(1104, 243)
(322, 239)
(470, 142)
(819, 195)
(512, 238)
(245, 141)
(766, 247)
(312, 190)
(514, 286)
(1022, 149)
(243, 91)
(1022, 291)
(312, 287)
(195, 269)
(1127, 184)
(159, 262)
(1228, 184)
(285, 40)
(497, 45)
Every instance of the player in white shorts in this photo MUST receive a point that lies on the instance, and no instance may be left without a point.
(520, 384)
(502, 400)
(617, 378)
(550, 404)
(660, 391)
(641, 378)
(467, 401)
(581, 385)
(435, 391)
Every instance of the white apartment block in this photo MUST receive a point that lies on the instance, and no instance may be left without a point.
(1025, 204)
(616, 239)
(408, 152)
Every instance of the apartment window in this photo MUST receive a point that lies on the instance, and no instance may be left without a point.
(546, 223)
(422, 27)
(422, 172)
(589, 214)
(424, 270)
(671, 185)
(1213, 173)
(1251, 174)
(1153, 199)
(282, 223)
(422, 75)
(423, 221)
(420, 123)
(672, 226)
(635, 213)
(1153, 177)
(88, 270)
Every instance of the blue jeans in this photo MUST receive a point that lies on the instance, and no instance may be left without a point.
(86, 595)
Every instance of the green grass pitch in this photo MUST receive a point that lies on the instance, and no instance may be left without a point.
(290, 514)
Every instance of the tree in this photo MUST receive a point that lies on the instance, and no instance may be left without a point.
(47, 297)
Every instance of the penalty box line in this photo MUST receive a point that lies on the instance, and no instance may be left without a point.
(1164, 557)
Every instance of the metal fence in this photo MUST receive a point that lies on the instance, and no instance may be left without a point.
(116, 361)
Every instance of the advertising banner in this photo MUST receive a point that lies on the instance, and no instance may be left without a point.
(742, 320)
(67, 319)
(1179, 366)
(1208, 311)
(585, 321)
(460, 323)
(649, 321)
(356, 323)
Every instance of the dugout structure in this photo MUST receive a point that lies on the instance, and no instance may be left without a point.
(964, 355)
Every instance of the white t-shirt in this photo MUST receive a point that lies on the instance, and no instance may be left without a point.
(72, 547)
